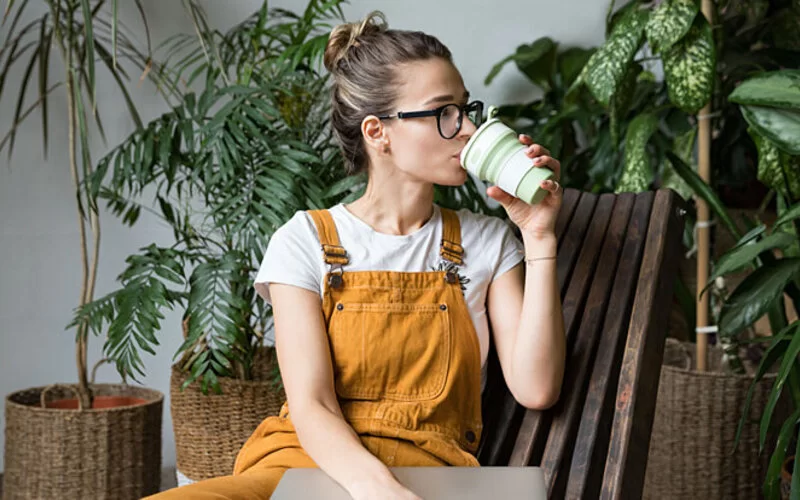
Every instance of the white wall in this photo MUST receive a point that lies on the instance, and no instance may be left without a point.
(40, 269)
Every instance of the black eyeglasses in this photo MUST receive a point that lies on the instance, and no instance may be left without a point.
(448, 117)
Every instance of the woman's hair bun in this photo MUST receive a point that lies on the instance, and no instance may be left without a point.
(345, 36)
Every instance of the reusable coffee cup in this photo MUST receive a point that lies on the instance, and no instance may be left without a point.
(494, 154)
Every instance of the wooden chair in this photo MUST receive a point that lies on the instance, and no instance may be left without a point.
(618, 258)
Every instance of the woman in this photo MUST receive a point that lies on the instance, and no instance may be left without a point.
(380, 306)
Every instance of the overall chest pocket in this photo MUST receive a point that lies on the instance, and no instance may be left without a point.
(392, 351)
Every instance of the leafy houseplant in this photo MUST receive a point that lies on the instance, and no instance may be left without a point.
(771, 105)
(766, 96)
(82, 34)
(251, 149)
(228, 166)
(40, 459)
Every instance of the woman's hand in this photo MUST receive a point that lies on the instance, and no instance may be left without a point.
(535, 220)
(389, 489)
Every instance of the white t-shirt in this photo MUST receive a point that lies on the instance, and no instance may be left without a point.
(294, 256)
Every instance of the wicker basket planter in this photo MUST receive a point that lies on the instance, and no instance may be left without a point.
(211, 428)
(695, 427)
(107, 452)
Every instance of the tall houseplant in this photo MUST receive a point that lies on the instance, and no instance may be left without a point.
(771, 105)
(41, 457)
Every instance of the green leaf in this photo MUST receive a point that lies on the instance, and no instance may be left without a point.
(637, 173)
(742, 256)
(621, 100)
(683, 145)
(773, 479)
(689, 67)
(787, 363)
(607, 67)
(90, 53)
(789, 215)
(114, 23)
(571, 62)
(9, 4)
(773, 354)
(703, 190)
(752, 298)
(777, 169)
(779, 89)
(781, 126)
(537, 61)
(669, 22)
(795, 485)
(534, 60)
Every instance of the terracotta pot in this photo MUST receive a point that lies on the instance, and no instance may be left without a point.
(56, 450)
(100, 402)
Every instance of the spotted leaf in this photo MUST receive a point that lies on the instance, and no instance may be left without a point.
(780, 126)
(776, 169)
(607, 67)
(683, 146)
(637, 172)
(775, 88)
(689, 67)
(621, 100)
(669, 22)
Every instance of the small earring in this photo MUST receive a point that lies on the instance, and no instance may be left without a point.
(385, 146)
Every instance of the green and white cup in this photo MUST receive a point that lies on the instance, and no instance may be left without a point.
(494, 154)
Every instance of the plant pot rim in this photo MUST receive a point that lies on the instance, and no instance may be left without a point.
(708, 373)
(223, 381)
(150, 397)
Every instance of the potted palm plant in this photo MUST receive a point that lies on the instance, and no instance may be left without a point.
(76, 440)
(228, 165)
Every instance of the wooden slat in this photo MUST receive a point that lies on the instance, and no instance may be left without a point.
(568, 205)
(501, 412)
(581, 248)
(571, 242)
(608, 229)
(591, 444)
(626, 460)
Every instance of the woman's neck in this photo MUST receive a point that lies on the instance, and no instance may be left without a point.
(394, 206)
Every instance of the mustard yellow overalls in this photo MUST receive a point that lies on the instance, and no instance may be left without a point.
(407, 372)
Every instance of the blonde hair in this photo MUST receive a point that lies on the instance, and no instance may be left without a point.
(363, 58)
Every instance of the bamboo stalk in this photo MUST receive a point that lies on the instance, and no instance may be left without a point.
(703, 214)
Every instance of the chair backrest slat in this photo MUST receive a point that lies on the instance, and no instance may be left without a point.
(617, 260)
(591, 444)
(599, 260)
(626, 460)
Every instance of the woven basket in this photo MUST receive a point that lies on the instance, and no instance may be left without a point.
(695, 427)
(210, 429)
(87, 454)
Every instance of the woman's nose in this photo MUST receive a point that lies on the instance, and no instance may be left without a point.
(467, 128)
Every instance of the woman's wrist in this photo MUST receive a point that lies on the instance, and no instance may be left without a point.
(379, 476)
(540, 246)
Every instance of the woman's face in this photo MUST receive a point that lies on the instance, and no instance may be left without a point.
(416, 146)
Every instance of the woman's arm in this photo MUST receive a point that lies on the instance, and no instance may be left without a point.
(306, 368)
(528, 326)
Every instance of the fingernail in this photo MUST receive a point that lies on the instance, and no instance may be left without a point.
(538, 159)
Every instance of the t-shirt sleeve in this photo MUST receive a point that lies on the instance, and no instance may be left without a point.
(511, 250)
(292, 257)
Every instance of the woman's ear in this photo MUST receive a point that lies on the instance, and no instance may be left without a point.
(375, 135)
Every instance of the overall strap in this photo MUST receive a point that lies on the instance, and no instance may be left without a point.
(451, 248)
(332, 251)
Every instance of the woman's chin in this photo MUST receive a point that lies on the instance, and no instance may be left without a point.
(453, 178)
